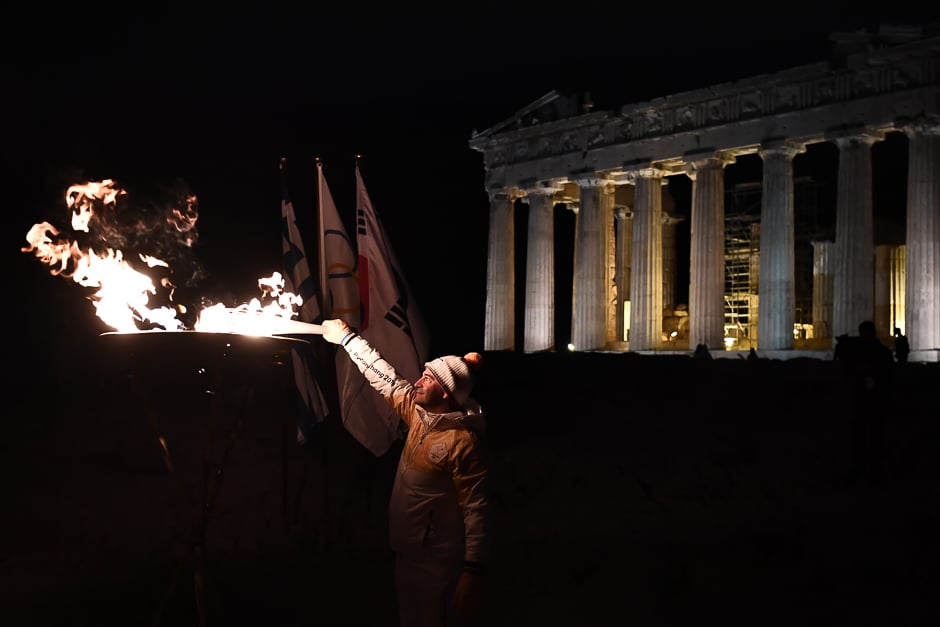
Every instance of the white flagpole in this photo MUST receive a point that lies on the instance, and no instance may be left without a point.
(326, 298)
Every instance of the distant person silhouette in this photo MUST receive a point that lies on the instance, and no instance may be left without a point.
(870, 366)
(901, 346)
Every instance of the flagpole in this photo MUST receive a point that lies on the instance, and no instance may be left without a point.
(324, 286)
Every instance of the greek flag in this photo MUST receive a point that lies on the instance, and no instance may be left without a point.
(311, 404)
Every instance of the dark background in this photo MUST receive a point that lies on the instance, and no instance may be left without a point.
(657, 490)
(211, 100)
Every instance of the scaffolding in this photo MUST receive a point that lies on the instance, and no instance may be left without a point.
(742, 260)
(741, 255)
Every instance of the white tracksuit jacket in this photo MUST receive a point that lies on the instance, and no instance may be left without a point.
(439, 508)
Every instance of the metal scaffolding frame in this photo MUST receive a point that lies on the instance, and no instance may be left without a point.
(742, 258)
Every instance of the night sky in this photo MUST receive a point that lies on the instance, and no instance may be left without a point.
(210, 102)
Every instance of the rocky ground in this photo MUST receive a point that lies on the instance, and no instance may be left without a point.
(629, 489)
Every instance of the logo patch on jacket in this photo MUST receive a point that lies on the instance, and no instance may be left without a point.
(437, 452)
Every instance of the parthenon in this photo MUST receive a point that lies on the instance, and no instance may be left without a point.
(611, 168)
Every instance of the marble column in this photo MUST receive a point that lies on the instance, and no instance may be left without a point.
(776, 283)
(592, 277)
(669, 259)
(889, 290)
(540, 272)
(500, 274)
(896, 287)
(922, 300)
(707, 254)
(822, 289)
(646, 282)
(624, 236)
(853, 275)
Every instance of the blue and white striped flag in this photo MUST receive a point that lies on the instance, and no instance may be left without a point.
(311, 404)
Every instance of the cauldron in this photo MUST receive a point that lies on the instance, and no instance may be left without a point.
(218, 408)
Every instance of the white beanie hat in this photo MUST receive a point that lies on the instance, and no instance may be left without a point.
(455, 374)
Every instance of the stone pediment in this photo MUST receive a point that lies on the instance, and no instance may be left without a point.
(879, 86)
(551, 107)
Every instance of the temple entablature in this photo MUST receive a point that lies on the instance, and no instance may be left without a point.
(878, 90)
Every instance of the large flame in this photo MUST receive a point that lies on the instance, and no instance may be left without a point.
(124, 292)
(256, 318)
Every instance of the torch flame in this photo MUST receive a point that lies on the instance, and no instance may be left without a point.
(253, 318)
